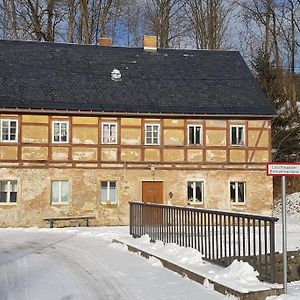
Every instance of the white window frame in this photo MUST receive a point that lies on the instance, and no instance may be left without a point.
(236, 183)
(102, 133)
(107, 200)
(243, 136)
(59, 202)
(201, 134)
(17, 131)
(194, 192)
(8, 202)
(60, 141)
(158, 136)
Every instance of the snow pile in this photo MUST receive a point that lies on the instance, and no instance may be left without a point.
(155, 262)
(239, 275)
(119, 246)
(292, 205)
(238, 271)
(172, 251)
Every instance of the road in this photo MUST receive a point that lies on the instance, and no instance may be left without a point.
(81, 264)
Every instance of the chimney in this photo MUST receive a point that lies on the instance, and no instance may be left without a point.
(106, 42)
(150, 43)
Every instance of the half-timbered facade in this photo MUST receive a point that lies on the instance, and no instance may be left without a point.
(85, 129)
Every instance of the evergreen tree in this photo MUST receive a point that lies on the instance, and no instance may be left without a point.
(286, 125)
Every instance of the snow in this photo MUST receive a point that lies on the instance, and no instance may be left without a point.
(238, 271)
(83, 263)
(239, 275)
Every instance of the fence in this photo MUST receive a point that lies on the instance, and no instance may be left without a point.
(220, 236)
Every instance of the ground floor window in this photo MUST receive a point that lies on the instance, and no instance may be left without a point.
(237, 192)
(108, 192)
(8, 191)
(195, 191)
(59, 191)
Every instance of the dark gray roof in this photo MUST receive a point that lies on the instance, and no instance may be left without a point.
(57, 76)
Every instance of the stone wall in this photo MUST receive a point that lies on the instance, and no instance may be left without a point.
(34, 192)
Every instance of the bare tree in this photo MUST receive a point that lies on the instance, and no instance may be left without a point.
(160, 15)
(132, 22)
(290, 11)
(208, 21)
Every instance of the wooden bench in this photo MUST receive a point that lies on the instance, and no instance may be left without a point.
(67, 218)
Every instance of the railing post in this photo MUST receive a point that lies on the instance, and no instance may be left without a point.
(272, 251)
(130, 218)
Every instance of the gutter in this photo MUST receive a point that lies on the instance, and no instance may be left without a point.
(130, 114)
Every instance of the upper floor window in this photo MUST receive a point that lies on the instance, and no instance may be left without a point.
(152, 134)
(60, 132)
(195, 134)
(9, 130)
(237, 135)
(59, 192)
(109, 133)
(108, 192)
(8, 191)
(237, 192)
(195, 191)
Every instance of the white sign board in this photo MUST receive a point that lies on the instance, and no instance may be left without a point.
(283, 169)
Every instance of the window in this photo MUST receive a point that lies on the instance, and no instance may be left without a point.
(152, 134)
(8, 191)
(237, 192)
(60, 132)
(108, 192)
(109, 133)
(237, 135)
(195, 191)
(194, 133)
(9, 130)
(59, 192)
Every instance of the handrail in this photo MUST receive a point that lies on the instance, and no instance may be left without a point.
(216, 211)
(221, 236)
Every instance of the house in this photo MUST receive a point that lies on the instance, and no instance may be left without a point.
(85, 129)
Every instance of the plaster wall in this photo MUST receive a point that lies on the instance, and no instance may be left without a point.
(195, 155)
(34, 192)
(60, 153)
(8, 152)
(131, 136)
(152, 155)
(34, 153)
(35, 134)
(215, 137)
(109, 154)
(85, 135)
(174, 137)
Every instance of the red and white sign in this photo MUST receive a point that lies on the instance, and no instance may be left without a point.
(283, 169)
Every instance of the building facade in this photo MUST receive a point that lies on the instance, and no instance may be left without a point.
(71, 157)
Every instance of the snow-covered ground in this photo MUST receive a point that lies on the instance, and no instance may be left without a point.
(82, 263)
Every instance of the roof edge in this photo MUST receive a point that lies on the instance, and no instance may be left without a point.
(131, 114)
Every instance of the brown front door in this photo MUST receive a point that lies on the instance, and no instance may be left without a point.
(153, 191)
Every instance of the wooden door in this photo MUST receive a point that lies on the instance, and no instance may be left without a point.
(152, 192)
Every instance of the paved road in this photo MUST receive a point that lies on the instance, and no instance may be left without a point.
(43, 264)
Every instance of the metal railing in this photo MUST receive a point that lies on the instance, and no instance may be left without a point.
(220, 236)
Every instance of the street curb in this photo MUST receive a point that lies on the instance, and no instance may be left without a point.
(254, 295)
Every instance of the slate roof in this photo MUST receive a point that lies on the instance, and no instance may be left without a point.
(40, 75)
